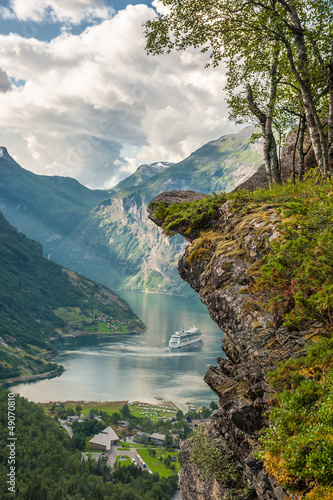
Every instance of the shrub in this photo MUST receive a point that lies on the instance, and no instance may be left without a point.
(297, 447)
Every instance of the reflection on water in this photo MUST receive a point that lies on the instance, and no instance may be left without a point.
(137, 367)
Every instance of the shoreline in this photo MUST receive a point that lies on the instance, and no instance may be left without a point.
(96, 334)
(31, 378)
(163, 402)
(59, 371)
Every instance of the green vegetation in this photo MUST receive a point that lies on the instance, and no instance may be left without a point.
(216, 462)
(160, 461)
(123, 461)
(189, 217)
(278, 58)
(39, 300)
(294, 281)
(297, 447)
(47, 467)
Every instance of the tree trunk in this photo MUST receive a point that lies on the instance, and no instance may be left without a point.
(271, 160)
(300, 148)
(301, 73)
(274, 161)
(330, 115)
(294, 151)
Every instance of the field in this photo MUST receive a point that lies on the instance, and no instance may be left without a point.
(123, 461)
(107, 406)
(155, 464)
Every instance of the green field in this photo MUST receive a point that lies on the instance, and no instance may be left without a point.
(155, 464)
(127, 460)
(108, 406)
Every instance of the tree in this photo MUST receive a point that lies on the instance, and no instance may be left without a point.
(179, 415)
(238, 31)
(125, 411)
(213, 405)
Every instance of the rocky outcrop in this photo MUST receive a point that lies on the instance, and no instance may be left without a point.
(220, 266)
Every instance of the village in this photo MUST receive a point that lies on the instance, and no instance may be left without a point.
(122, 433)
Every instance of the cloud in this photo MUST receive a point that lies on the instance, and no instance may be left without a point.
(160, 7)
(6, 13)
(71, 11)
(94, 106)
(5, 83)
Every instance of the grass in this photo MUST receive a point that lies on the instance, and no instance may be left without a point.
(103, 328)
(127, 460)
(155, 464)
(108, 407)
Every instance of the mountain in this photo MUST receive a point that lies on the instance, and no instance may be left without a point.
(106, 235)
(142, 174)
(119, 246)
(45, 208)
(40, 301)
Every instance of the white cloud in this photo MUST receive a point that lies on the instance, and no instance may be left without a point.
(73, 11)
(6, 13)
(5, 83)
(94, 106)
(160, 7)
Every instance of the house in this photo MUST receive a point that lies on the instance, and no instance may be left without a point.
(157, 439)
(196, 423)
(123, 423)
(104, 440)
(139, 435)
(72, 418)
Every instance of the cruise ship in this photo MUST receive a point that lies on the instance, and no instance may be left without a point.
(185, 337)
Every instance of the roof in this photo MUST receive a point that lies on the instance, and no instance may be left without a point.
(161, 437)
(105, 437)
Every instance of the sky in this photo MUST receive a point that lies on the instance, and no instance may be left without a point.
(80, 97)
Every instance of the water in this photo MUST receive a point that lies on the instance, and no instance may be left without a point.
(137, 367)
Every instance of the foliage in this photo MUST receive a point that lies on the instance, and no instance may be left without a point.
(216, 462)
(189, 216)
(297, 276)
(48, 468)
(297, 447)
(32, 291)
(265, 45)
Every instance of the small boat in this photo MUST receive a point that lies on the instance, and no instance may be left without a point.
(185, 337)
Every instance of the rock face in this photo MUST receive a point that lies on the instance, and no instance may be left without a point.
(219, 266)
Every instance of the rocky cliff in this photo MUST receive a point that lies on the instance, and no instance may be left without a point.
(220, 265)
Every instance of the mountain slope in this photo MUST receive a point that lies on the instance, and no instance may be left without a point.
(106, 235)
(119, 246)
(40, 300)
(142, 174)
(44, 208)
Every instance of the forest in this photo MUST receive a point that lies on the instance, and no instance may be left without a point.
(48, 467)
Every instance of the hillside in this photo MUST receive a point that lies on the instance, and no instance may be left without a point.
(106, 235)
(41, 463)
(44, 208)
(40, 300)
(262, 264)
(119, 246)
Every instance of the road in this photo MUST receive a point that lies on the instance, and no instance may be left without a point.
(66, 427)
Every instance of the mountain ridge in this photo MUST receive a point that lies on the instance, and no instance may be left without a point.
(109, 237)
(40, 301)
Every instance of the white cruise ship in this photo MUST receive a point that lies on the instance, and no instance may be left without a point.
(185, 337)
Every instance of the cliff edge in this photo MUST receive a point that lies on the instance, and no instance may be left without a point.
(220, 264)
